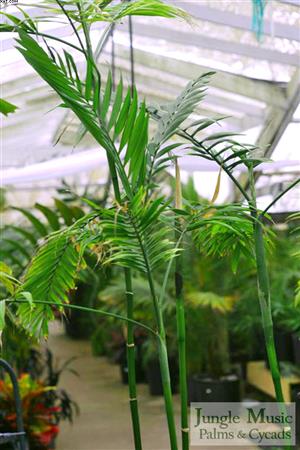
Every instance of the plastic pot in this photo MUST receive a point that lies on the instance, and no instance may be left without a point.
(284, 346)
(203, 388)
(154, 378)
(296, 348)
(296, 398)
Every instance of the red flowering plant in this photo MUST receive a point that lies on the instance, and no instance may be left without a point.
(42, 410)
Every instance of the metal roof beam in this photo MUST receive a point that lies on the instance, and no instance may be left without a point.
(194, 39)
(290, 2)
(263, 91)
(204, 41)
(278, 119)
(156, 79)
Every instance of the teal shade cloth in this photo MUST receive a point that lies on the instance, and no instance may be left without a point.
(258, 17)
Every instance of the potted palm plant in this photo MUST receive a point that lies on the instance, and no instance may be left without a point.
(284, 284)
(211, 375)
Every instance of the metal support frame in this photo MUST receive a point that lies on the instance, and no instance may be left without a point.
(276, 123)
(19, 436)
(279, 118)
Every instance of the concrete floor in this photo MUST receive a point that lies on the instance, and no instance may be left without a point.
(104, 420)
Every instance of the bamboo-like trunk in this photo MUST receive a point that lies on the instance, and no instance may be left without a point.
(131, 364)
(265, 306)
(164, 365)
(181, 338)
(181, 326)
(264, 297)
(130, 336)
(167, 391)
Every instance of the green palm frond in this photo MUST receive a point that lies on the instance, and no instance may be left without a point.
(170, 117)
(222, 304)
(7, 107)
(223, 231)
(134, 236)
(224, 150)
(49, 277)
(19, 242)
(113, 298)
(145, 8)
(8, 286)
(297, 295)
(52, 271)
(69, 213)
(7, 279)
(27, 234)
(295, 220)
(36, 223)
(16, 246)
(51, 216)
(102, 11)
(72, 98)
(127, 122)
(13, 23)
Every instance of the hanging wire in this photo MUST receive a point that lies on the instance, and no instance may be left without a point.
(258, 7)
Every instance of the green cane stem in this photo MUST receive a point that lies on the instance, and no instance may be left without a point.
(131, 364)
(264, 297)
(181, 326)
(130, 336)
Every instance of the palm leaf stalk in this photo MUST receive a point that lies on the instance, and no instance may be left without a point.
(180, 316)
(86, 309)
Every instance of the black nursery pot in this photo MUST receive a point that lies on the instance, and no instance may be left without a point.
(283, 345)
(78, 325)
(296, 348)
(153, 376)
(207, 389)
(296, 398)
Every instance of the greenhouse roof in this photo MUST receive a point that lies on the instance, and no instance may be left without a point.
(256, 86)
